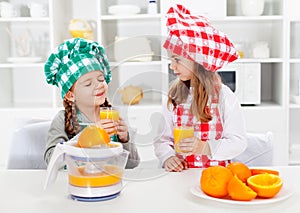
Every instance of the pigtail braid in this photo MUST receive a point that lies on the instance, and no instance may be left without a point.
(72, 126)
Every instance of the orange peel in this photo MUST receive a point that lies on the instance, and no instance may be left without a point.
(265, 185)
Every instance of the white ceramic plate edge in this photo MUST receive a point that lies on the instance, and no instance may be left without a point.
(283, 194)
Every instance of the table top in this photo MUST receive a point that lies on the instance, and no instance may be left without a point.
(145, 190)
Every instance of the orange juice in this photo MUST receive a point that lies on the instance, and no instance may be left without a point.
(181, 132)
(111, 175)
(109, 114)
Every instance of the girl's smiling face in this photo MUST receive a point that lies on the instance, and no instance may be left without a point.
(182, 67)
(90, 89)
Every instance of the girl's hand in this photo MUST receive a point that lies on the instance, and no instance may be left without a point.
(175, 164)
(194, 145)
(122, 130)
(108, 125)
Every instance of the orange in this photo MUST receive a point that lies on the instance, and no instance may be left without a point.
(93, 135)
(238, 190)
(214, 181)
(262, 171)
(241, 170)
(265, 185)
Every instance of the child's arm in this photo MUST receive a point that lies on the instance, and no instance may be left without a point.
(233, 141)
(56, 134)
(164, 145)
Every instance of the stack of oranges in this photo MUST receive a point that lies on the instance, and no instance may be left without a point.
(239, 182)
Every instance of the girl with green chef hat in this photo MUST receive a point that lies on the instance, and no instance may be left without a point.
(81, 70)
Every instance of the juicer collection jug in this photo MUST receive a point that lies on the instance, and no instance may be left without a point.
(94, 174)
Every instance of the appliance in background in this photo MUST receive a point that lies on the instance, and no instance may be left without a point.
(244, 79)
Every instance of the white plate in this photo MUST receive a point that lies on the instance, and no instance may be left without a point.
(24, 59)
(125, 9)
(283, 194)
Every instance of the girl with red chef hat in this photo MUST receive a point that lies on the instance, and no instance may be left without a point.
(197, 51)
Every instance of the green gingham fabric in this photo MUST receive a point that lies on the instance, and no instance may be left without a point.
(72, 59)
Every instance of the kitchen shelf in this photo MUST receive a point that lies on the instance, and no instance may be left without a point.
(16, 65)
(264, 105)
(143, 104)
(294, 106)
(293, 19)
(133, 63)
(24, 106)
(130, 17)
(294, 162)
(294, 88)
(25, 19)
(261, 60)
(249, 18)
(294, 60)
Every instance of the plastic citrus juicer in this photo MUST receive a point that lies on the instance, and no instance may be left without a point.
(94, 173)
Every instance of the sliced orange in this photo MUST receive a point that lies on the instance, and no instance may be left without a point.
(265, 185)
(93, 135)
(240, 169)
(238, 190)
(214, 181)
(263, 171)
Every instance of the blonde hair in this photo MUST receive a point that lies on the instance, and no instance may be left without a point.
(205, 85)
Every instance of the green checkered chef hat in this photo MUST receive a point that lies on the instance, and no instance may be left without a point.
(72, 59)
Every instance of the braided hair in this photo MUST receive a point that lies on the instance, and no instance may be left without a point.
(72, 126)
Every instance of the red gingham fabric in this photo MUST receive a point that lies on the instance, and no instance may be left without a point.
(194, 38)
(205, 131)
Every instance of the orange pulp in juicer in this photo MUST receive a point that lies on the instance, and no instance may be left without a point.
(111, 175)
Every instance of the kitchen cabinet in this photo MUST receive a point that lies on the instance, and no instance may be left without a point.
(269, 27)
(294, 80)
(147, 66)
(25, 43)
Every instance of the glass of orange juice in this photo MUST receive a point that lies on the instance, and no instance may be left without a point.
(111, 114)
(182, 132)
(183, 128)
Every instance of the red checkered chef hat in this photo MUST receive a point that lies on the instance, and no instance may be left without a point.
(193, 37)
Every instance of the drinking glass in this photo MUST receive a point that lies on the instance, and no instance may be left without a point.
(111, 114)
(182, 129)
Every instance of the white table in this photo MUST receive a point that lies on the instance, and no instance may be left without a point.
(22, 191)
